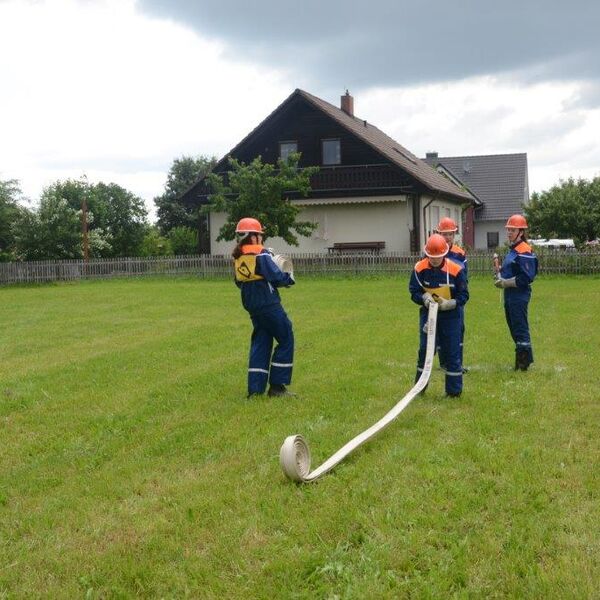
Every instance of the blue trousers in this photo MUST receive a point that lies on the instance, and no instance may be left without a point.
(448, 337)
(462, 340)
(264, 364)
(515, 310)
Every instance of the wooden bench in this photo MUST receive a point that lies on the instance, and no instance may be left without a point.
(356, 246)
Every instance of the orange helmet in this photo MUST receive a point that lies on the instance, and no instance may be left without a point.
(248, 225)
(436, 246)
(447, 225)
(517, 221)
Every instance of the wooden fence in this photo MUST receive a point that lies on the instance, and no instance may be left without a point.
(211, 267)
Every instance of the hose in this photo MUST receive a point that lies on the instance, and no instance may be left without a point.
(294, 455)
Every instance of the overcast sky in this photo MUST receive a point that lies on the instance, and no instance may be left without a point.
(117, 89)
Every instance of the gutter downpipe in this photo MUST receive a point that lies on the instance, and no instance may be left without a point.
(435, 197)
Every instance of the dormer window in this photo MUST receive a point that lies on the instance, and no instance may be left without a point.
(287, 148)
(331, 151)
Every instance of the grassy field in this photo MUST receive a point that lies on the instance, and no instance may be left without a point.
(132, 465)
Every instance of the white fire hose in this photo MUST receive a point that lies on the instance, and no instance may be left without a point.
(294, 455)
(284, 263)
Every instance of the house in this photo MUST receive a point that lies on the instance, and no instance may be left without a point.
(500, 184)
(370, 193)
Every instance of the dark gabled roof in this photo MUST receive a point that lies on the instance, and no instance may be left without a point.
(371, 135)
(389, 148)
(499, 181)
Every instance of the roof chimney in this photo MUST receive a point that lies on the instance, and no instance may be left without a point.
(429, 155)
(347, 104)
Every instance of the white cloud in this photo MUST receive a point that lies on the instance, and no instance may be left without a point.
(94, 85)
(489, 115)
(98, 88)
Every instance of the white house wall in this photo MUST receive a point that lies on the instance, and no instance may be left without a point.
(483, 227)
(369, 221)
(438, 209)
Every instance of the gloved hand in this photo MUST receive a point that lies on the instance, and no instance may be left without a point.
(447, 304)
(427, 299)
(506, 283)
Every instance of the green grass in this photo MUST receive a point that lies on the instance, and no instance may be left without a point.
(131, 464)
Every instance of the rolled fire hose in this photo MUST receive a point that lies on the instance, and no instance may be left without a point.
(294, 455)
(284, 263)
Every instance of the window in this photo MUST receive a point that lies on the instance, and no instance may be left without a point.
(332, 154)
(493, 238)
(287, 148)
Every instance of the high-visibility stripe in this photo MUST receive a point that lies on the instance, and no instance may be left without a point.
(523, 344)
(282, 364)
(258, 371)
(452, 373)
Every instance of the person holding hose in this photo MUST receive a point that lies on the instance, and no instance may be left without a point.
(436, 278)
(518, 271)
(447, 228)
(258, 276)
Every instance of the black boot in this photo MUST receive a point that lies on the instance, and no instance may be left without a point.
(522, 360)
(279, 390)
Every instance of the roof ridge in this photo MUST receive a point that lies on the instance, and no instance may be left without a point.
(477, 155)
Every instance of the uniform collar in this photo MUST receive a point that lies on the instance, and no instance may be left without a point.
(252, 249)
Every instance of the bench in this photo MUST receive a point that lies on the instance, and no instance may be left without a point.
(356, 246)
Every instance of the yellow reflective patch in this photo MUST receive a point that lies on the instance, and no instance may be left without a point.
(441, 292)
(245, 268)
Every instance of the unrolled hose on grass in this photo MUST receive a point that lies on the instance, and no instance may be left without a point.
(294, 455)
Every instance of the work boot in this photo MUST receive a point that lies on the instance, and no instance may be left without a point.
(454, 395)
(252, 395)
(522, 361)
(277, 389)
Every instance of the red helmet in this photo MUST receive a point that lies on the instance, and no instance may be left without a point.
(248, 225)
(436, 246)
(447, 225)
(517, 221)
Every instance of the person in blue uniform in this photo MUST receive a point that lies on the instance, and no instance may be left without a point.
(436, 278)
(518, 271)
(447, 228)
(258, 276)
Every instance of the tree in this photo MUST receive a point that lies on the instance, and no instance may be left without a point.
(568, 210)
(260, 190)
(155, 244)
(9, 214)
(115, 215)
(184, 240)
(171, 211)
(122, 216)
(53, 231)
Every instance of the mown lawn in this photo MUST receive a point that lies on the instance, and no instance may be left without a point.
(132, 465)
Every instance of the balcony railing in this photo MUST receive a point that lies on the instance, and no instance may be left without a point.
(343, 179)
(358, 178)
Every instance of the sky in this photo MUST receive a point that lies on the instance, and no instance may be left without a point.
(117, 89)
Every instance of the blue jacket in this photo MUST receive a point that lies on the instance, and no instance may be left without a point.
(258, 277)
(458, 255)
(521, 263)
(448, 281)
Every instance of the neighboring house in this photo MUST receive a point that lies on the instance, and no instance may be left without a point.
(500, 184)
(371, 193)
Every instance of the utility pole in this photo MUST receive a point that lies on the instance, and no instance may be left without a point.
(84, 230)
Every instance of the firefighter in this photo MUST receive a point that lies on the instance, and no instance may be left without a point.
(518, 271)
(258, 276)
(436, 278)
(447, 228)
